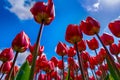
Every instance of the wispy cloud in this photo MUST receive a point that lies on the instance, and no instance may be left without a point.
(21, 8)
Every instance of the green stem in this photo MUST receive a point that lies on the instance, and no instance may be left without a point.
(110, 59)
(117, 58)
(35, 52)
(80, 63)
(11, 69)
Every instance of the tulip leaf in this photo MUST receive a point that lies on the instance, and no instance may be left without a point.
(23, 73)
(109, 77)
(112, 72)
(68, 75)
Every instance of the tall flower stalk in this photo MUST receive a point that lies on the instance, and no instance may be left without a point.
(35, 52)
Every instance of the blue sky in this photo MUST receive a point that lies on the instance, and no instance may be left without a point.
(15, 17)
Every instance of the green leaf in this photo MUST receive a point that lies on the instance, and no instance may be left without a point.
(114, 75)
(24, 72)
(68, 75)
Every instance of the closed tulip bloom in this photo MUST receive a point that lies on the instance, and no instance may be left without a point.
(32, 48)
(71, 52)
(107, 39)
(115, 28)
(81, 46)
(21, 42)
(85, 56)
(93, 43)
(54, 60)
(61, 49)
(98, 72)
(60, 64)
(29, 58)
(71, 62)
(73, 34)
(6, 55)
(43, 12)
(6, 67)
(90, 26)
(114, 49)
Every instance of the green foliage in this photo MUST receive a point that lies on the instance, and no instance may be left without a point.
(24, 72)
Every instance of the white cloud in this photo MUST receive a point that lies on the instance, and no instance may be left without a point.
(21, 8)
(22, 57)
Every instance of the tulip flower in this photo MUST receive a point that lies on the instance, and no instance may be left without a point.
(71, 52)
(81, 46)
(98, 72)
(93, 43)
(29, 58)
(114, 49)
(90, 26)
(61, 49)
(41, 49)
(60, 64)
(6, 55)
(41, 77)
(107, 39)
(54, 60)
(85, 56)
(73, 34)
(43, 12)
(6, 67)
(21, 42)
(115, 28)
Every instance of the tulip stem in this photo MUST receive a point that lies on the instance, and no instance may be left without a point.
(80, 62)
(63, 66)
(2, 76)
(35, 52)
(117, 58)
(109, 58)
(12, 67)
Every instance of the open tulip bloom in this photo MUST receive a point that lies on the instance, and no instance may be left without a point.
(76, 62)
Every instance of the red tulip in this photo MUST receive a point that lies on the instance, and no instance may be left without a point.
(81, 46)
(93, 62)
(6, 55)
(85, 56)
(91, 78)
(114, 49)
(107, 39)
(43, 12)
(115, 28)
(61, 49)
(47, 66)
(21, 42)
(41, 77)
(71, 62)
(90, 26)
(60, 64)
(73, 34)
(93, 43)
(55, 75)
(32, 48)
(29, 58)
(54, 60)
(71, 52)
(98, 72)
(6, 67)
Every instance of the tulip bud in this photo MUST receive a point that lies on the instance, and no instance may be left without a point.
(21, 42)
(6, 55)
(71, 52)
(73, 34)
(61, 49)
(90, 26)
(107, 39)
(29, 58)
(93, 43)
(54, 60)
(114, 49)
(43, 12)
(115, 28)
(81, 46)
(60, 64)
(6, 67)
